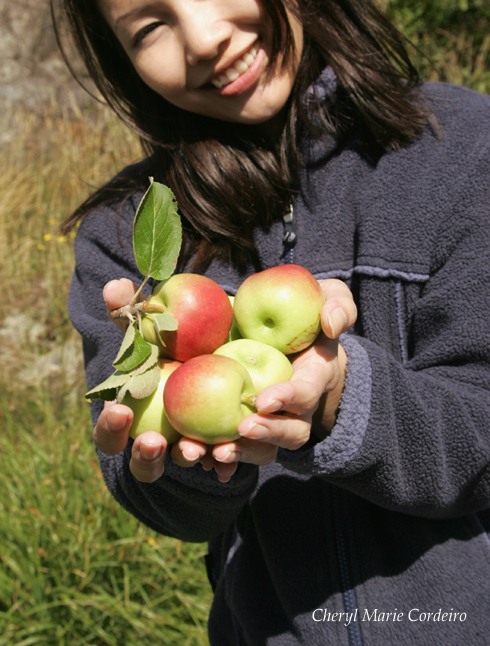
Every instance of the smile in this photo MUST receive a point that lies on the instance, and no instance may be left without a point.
(239, 67)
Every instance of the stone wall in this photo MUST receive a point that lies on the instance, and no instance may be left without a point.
(32, 72)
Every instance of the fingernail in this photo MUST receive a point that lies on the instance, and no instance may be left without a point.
(150, 451)
(190, 455)
(116, 420)
(272, 406)
(337, 320)
(105, 288)
(222, 456)
(255, 432)
(234, 455)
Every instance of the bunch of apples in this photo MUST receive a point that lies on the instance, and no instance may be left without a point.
(225, 349)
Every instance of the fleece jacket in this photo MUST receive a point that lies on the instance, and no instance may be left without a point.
(379, 533)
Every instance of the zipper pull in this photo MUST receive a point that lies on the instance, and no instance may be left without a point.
(290, 236)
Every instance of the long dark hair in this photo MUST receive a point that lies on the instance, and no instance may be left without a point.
(227, 178)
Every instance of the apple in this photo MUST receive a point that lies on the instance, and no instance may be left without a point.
(203, 312)
(207, 397)
(149, 413)
(280, 306)
(234, 331)
(265, 364)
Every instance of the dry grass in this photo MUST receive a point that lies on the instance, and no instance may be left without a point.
(75, 568)
(48, 164)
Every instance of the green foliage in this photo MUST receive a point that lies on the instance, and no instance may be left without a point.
(75, 568)
(452, 38)
(157, 232)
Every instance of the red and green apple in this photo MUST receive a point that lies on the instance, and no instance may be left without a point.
(207, 397)
(203, 312)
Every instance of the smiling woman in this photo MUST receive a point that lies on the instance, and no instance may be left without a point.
(218, 56)
(297, 133)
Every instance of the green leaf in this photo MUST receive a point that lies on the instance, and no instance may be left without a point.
(149, 363)
(127, 342)
(108, 389)
(157, 232)
(141, 386)
(135, 354)
(164, 322)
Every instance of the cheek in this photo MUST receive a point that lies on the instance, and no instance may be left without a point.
(163, 77)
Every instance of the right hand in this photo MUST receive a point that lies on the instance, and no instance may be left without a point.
(111, 433)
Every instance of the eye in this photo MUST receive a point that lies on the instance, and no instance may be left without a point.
(142, 33)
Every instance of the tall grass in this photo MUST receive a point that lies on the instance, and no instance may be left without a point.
(75, 569)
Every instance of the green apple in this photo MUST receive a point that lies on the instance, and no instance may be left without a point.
(234, 331)
(280, 306)
(265, 364)
(149, 413)
(207, 397)
(203, 312)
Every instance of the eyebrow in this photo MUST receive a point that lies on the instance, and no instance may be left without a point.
(134, 12)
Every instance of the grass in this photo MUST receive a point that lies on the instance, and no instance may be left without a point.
(75, 568)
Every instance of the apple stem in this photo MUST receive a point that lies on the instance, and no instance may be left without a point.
(138, 291)
(132, 311)
(250, 401)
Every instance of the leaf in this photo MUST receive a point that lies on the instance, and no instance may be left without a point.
(135, 354)
(149, 363)
(108, 389)
(127, 342)
(157, 232)
(141, 386)
(164, 322)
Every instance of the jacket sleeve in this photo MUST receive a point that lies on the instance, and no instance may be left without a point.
(189, 504)
(414, 436)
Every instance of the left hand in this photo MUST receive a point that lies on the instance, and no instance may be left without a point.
(286, 410)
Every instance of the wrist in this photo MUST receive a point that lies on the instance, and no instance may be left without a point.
(326, 414)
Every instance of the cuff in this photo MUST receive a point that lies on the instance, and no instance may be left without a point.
(335, 452)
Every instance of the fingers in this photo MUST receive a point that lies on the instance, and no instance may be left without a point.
(316, 371)
(186, 453)
(116, 294)
(111, 432)
(148, 456)
(339, 312)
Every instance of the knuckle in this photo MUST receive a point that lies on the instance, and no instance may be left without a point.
(145, 472)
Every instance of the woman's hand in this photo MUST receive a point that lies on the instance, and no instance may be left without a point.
(111, 433)
(286, 410)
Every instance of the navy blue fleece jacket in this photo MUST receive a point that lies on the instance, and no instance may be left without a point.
(389, 513)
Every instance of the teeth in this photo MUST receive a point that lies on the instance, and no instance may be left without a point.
(239, 67)
(232, 74)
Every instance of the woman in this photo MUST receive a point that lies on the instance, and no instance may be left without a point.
(354, 509)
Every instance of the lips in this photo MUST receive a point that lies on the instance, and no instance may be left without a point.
(239, 67)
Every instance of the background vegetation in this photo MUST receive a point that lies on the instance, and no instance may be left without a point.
(75, 569)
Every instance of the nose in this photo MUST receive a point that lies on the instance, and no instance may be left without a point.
(205, 33)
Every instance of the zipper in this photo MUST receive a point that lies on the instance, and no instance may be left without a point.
(348, 593)
(290, 236)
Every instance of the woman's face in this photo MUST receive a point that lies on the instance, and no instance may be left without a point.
(207, 56)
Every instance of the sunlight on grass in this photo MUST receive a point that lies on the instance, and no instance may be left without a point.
(75, 568)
